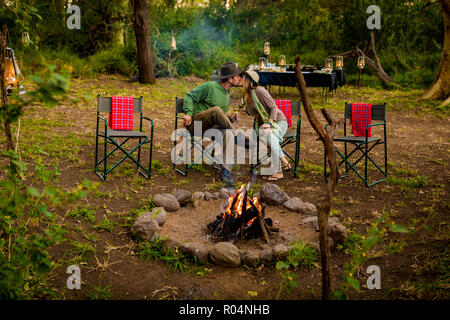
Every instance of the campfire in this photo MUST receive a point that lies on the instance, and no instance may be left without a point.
(243, 218)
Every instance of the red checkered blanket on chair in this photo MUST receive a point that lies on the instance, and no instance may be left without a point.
(121, 115)
(285, 107)
(361, 118)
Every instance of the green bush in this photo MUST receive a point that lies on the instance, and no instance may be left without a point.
(116, 60)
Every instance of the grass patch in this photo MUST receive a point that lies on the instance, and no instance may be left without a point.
(85, 213)
(82, 249)
(408, 184)
(99, 293)
(147, 250)
(104, 225)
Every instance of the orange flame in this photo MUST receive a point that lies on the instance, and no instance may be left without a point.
(251, 222)
(239, 204)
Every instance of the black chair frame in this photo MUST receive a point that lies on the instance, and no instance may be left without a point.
(362, 144)
(191, 143)
(290, 137)
(109, 136)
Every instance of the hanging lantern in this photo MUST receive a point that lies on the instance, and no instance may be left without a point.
(25, 38)
(173, 43)
(361, 62)
(267, 48)
(339, 62)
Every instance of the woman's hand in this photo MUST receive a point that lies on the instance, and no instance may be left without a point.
(266, 126)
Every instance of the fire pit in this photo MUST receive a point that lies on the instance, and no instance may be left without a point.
(247, 230)
(243, 218)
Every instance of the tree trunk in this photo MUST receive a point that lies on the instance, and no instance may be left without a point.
(326, 136)
(118, 28)
(144, 49)
(440, 88)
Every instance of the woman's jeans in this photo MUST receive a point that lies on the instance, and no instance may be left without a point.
(273, 141)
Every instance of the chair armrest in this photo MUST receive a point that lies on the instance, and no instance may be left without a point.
(106, 124)
(373, 125)
(104, 119)
(151, 121)
(376, 124)
(151, 126)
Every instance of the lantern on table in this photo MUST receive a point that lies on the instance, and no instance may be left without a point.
(360, 65)
(282, 63)
(328, 65)
(339, 62)
(262, 63)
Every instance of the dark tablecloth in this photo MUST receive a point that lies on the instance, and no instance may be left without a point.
(287, 79)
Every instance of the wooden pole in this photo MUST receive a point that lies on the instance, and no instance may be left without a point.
(359, 77)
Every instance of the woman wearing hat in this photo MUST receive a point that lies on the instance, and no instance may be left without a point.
(259, 104)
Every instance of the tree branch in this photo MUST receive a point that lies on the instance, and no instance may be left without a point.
(324, 208)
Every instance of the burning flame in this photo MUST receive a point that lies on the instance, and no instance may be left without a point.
(237, 206)
(251, 221)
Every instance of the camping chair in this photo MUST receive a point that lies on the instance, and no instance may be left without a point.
(364, 144)
(191, 144)
(110, 137)
(292, 136)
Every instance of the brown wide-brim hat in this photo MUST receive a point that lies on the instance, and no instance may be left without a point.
(228, 70)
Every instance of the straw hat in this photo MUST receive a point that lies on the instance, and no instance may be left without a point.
(252, 75)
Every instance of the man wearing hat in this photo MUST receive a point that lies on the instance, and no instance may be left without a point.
(209, 104)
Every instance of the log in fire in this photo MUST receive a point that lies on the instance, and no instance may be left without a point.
(243, 218)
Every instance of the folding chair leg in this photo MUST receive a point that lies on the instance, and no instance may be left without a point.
(297, 153)
(139, 154)
(104, 164)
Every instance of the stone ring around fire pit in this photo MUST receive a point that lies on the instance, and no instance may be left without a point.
(236, 237)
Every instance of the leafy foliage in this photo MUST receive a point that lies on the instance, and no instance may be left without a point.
(409, 43)
(300, 256)
(360, 247)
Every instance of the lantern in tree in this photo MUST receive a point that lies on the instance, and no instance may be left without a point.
(339, 62)
(361, 64)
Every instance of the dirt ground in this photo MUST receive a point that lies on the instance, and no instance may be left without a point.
(418, 145)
